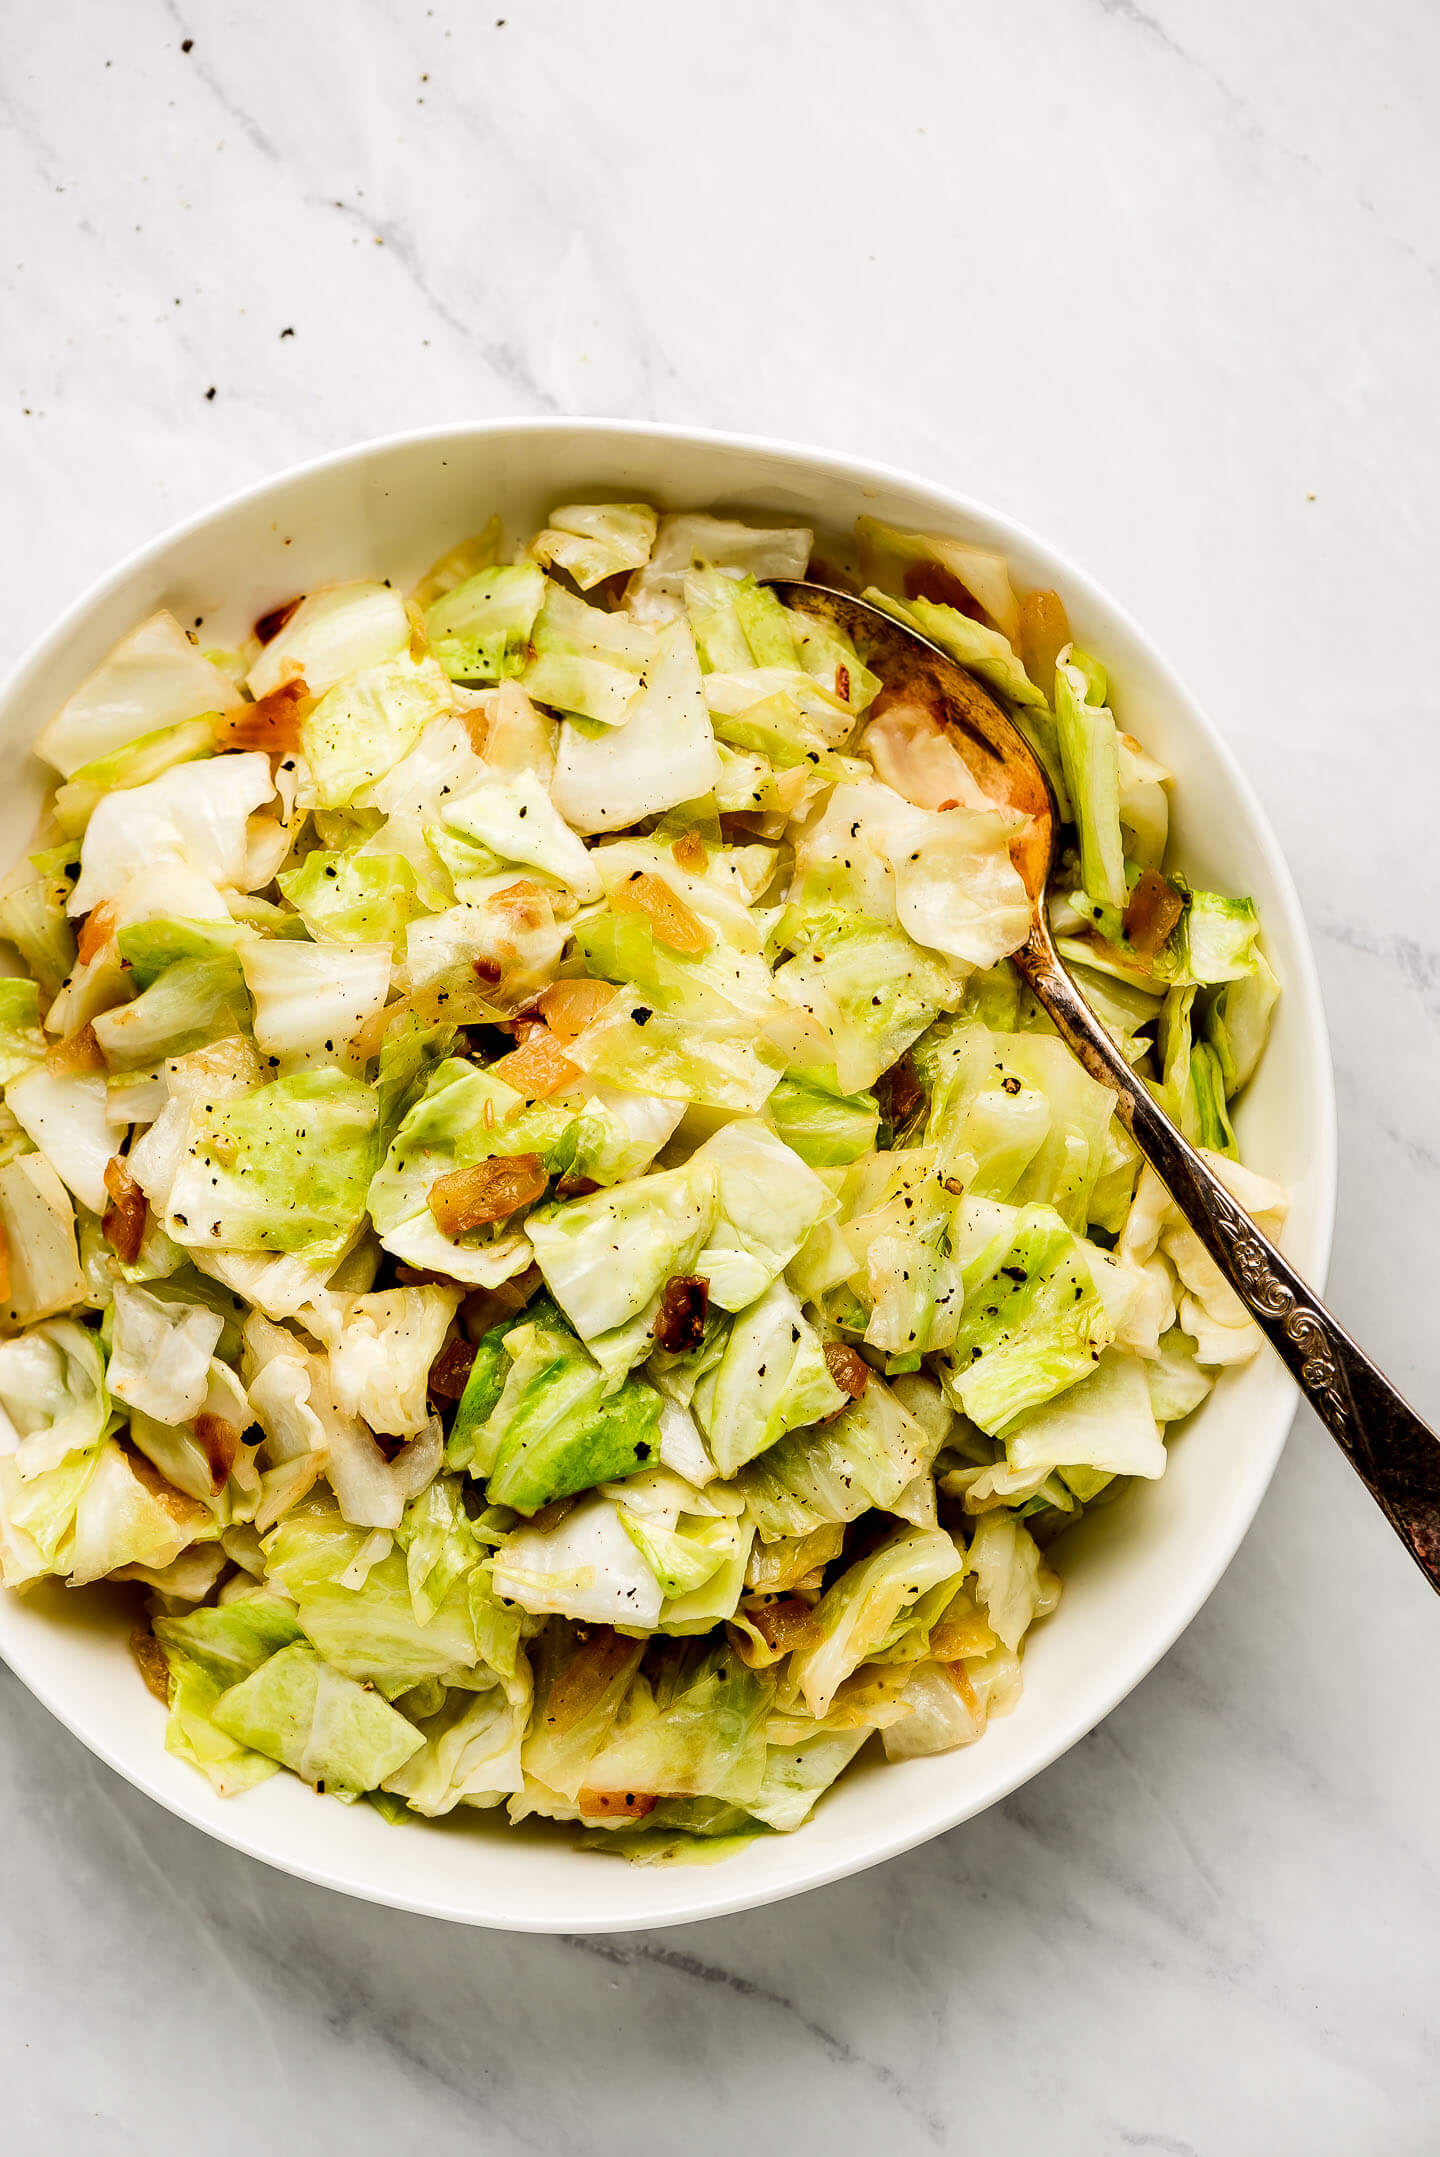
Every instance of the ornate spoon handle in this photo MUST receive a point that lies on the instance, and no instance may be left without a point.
(1394, 1453)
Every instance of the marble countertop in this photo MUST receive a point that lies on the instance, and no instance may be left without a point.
(1163, 282)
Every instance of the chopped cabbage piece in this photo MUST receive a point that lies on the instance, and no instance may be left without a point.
(586, 662)
(605, 1257)
(1090, 753)
(160, 1360)
(21, 1042)
(336, 632)
(283, 1168)
(135, 764)
(772, 1378)
(311, 1000)
(362, 728)
(594, 540)
(334, 1733)
(352, 898)
(825, 1127)
(64, 1114)
(609, 776)
(854, 1617)
(154, 679)
(686, 541)
(985, 652)
(194, 816)
(554, 1430)
(480, 631)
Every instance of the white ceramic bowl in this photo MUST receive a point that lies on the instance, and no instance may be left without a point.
(1134, 1576)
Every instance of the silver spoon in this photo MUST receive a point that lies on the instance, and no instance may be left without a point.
(1396, 1455)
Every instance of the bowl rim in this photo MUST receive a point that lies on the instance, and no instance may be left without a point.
(695, 1901)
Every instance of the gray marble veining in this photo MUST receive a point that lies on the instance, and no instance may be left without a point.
(1165, 283)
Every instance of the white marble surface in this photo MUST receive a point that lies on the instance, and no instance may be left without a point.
(1163, 281)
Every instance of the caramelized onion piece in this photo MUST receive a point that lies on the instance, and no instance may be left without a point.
(1044, 634)
(568, 1007)
(671, 919)
(684, 1303)
(900, 1093)
(488, 1191)
(220, 1440)
(539, 1068)
(450, 1371)
(123, 1222)
(691, 852)
(847, 1367)
(78, 1052)
(1154, 909)
(521, 899)
(150, 1656)
(271, 723)
(96, 931)
(269, 626)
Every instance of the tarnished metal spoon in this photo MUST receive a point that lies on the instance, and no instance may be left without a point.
(1395, 1454)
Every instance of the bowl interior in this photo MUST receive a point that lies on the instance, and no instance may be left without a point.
(1134, 1575)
